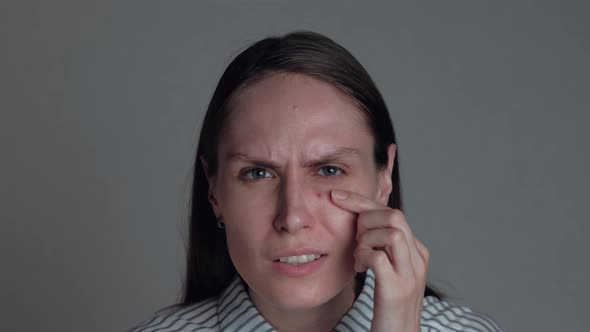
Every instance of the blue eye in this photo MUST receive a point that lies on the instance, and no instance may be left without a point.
(330, 171)
(257, 173)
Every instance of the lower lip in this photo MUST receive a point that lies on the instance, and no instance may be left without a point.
(298, 270)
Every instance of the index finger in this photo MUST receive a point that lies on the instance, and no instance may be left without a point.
(354, 202)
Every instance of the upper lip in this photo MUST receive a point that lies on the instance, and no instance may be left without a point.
(298, 252)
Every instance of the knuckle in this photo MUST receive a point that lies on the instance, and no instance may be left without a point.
(362, 238)
(396, 214)
(379, 257)
(395, 218)
(395, 235)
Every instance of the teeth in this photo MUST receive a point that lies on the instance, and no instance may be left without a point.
(299, 259)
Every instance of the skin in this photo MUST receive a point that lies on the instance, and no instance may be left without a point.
(291, 146)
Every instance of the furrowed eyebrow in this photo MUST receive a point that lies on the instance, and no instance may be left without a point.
(326, 158)
(244, 157)
(332, 156)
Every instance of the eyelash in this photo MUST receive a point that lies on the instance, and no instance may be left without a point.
(338, 170)
(247, 174)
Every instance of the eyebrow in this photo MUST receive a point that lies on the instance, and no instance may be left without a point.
(326, 158)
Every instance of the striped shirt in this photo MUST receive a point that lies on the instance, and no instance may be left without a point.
(233, 310)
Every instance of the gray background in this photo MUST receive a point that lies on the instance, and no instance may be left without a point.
(101, 104)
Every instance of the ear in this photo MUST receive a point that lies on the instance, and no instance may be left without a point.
(211, 180)
(384, 178)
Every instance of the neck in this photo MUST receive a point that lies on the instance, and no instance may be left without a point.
(320, 318)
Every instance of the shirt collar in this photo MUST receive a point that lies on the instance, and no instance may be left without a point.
(238, 313)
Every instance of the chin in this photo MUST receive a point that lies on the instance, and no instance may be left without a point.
(294, 294)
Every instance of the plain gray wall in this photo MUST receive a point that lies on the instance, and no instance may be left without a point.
(101, 104)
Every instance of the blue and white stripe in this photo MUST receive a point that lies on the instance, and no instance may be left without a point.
(233, 310)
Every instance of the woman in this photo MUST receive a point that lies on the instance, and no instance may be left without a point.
(296, 221)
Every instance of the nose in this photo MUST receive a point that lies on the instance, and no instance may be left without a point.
(293, 212)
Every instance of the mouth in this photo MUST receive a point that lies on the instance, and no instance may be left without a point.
(300, 259)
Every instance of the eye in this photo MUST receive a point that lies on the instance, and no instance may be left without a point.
(256, 173)
(330, 171)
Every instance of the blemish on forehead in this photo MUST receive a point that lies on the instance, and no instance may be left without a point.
(294, 107)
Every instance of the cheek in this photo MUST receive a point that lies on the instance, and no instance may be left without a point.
(242, 242)
(338, 222)
(246, 213)
(246, 231)
(246, 201)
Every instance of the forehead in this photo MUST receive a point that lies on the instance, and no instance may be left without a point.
(292, 110)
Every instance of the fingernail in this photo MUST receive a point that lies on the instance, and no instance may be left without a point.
(339, 194)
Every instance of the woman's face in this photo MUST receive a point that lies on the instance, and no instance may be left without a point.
(288, 142)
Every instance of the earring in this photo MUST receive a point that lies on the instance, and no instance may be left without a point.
(220, 224)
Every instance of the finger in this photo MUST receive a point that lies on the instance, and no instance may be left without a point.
(375, 215)
(424, 252)
(390, 219)
(394, 242)
(387, 218)
(422, 269)
(354, 202)
(377, 260)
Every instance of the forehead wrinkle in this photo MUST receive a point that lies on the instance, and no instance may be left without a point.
(323, 157)
(280, 120)
(260, 155)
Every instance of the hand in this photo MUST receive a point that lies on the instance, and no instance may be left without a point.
(388, 246)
